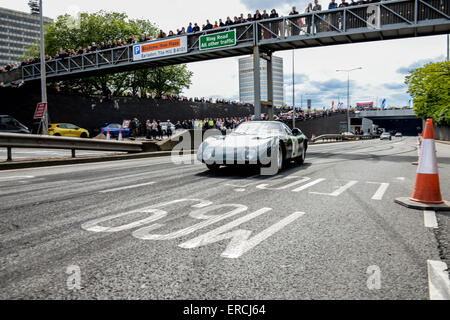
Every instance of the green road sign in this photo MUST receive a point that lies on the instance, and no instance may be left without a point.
(218, 40)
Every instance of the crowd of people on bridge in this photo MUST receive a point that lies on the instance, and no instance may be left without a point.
(296, 26)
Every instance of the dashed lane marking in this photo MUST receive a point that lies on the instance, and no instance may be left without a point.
(15, 178)
(438, 282)
(127, 187)
(430, 220)
(381, 190)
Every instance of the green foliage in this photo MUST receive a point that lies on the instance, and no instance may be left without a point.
(429, 86)
(68, 32)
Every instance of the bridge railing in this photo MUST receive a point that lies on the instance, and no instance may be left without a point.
(300, 27)
(369, 16)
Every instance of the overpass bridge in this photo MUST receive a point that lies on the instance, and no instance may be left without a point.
(386, 114)
(373, 22)
(404, 121)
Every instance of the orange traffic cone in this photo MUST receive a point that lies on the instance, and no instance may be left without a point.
(120, 135)
(426, 188)
(108, 135)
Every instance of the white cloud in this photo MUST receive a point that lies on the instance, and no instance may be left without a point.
(381, 60)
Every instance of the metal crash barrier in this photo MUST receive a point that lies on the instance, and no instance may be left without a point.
(340, 137)
(14, 140)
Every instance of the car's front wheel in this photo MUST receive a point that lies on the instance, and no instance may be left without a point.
(300, 160)
(279, 159)
(83, 135)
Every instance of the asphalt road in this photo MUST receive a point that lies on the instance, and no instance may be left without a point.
(154, 229)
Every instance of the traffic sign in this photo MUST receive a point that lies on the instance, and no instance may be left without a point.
(40, 110)
(218, 40)
(126, 124)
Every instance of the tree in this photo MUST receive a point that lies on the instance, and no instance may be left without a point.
(68, 32)
(429, 86)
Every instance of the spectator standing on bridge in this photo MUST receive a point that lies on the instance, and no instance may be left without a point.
(228, 22)
(196, 28)
(309, 9)
(266, 34)
(208, 25)
(161, 34)
(316, 8)
(221, 24)
(294, 29)
(189, 28)
(274, 26)
(332, 16)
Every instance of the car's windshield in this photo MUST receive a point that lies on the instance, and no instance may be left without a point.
(259, 128)
(9, 121)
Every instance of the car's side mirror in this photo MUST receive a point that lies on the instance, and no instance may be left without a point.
(296, 132)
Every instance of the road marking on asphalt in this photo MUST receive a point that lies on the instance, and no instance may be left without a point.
(400, 178)
(308, 185)
(249, 184)
(145, 233)
(93, 225)
(127, 187)
(265, 185)
(381, 190)
(339, 191)
(15, 178)
(240, 241)
(438, 282)
(430, 220)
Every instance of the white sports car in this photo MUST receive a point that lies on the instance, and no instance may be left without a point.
(266, 143)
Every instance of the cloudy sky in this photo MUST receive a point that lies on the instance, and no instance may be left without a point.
(385, 63)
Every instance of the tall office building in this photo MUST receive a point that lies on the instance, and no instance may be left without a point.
(18, 31)
(246, 89)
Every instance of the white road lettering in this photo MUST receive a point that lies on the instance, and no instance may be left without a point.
(339, 191)
(265, 186)
(381, 190)
(145, 233)
(308, 185)
(239, 239)
(93, 225)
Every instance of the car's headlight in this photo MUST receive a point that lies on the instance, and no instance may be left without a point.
(209, 153)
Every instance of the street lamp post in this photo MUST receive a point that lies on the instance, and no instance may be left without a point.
(348, 94)
(34, 7)
(43, 72)
(293, 90)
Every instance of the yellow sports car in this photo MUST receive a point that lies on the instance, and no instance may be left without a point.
(67, 130)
